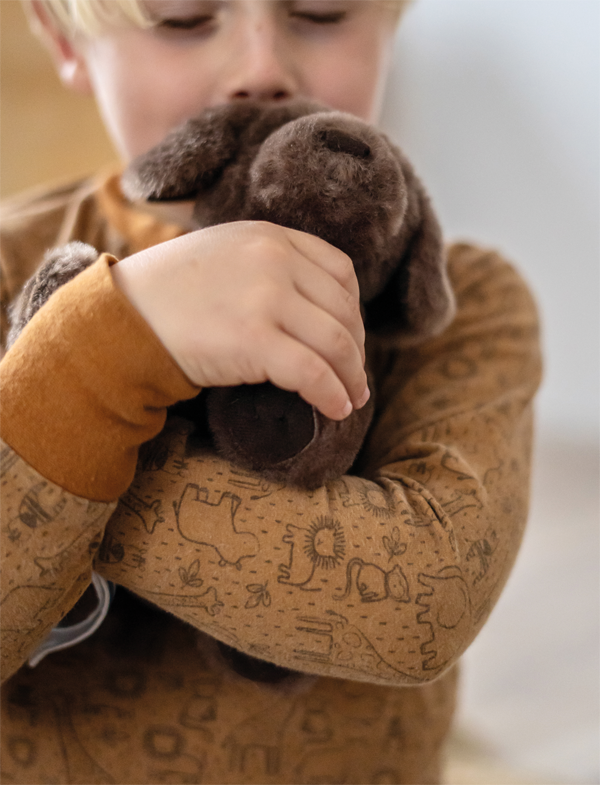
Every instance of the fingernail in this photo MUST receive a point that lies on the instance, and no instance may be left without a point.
(347, 408)
(364, 398)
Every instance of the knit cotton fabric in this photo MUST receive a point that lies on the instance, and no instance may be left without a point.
(373, 585)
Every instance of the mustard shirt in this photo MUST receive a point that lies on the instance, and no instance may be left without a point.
(374, 584)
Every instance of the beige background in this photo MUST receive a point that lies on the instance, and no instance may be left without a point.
(47, 133)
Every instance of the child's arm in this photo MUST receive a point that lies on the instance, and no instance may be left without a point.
(87, 382)
(78, 397)
(384, 577)
(48, 539)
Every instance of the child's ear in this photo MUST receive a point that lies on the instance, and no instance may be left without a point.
(68, 60)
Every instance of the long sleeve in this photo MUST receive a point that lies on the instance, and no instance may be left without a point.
(49, 537)
(83, 386)
(385, 575)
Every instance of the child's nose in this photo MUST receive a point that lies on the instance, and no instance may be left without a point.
(261, 68)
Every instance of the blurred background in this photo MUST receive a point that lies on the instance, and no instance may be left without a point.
(497, 102)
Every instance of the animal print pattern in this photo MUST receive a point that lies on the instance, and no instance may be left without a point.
(380, 579)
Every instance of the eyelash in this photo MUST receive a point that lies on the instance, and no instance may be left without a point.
(185, 24)
(322, 19)
(198, 21)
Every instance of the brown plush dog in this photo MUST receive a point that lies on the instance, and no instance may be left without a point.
(308, 168)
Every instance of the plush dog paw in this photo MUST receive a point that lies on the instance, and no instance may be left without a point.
(259, 426)
(58, 267)
(275, 432)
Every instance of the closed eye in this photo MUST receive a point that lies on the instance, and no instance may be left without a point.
(320, 19)
(191, 23)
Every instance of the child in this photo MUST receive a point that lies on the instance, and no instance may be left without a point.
(374, 584)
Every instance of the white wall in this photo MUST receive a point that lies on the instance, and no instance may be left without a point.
(497, 104)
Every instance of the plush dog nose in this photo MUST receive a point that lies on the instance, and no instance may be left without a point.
(341, 142)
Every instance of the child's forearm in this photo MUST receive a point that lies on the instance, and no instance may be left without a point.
(48, 540)
(79, 396)
(388, 578)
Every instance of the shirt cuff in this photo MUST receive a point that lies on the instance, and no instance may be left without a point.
(85, 384)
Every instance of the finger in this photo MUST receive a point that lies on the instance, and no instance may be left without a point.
(331, 340)
(293, 366)
(328, 257)
(324, 292)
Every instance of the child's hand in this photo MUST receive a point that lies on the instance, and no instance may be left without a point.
(248, 302)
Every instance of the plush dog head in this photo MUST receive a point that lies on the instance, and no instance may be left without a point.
(320, 171)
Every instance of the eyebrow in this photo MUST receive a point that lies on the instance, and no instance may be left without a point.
(162, 8)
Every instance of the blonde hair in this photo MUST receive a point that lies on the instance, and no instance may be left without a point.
(91, 17)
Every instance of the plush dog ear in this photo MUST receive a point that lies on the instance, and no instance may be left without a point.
(190, 158)
(417, 301)
(194, 155)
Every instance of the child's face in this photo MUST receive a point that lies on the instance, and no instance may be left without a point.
(207, 52)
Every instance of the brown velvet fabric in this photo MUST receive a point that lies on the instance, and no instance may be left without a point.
(376, 583)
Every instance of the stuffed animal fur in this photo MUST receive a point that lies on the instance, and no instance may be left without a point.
(320, 171)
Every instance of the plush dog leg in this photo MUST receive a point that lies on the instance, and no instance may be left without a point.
(58, 267)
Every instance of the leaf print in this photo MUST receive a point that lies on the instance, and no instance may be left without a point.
(190, 577)
(253, 601)
(259, 594)
(393, 545)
